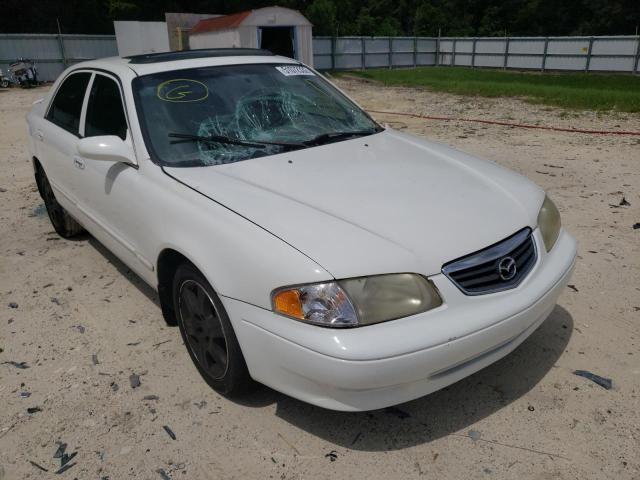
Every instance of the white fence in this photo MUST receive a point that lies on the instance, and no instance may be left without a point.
(588, 54)
(53, 53)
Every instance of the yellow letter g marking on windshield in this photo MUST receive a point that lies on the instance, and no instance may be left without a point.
(182, 90)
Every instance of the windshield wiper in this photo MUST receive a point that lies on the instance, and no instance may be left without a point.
(331, 136)
(186, 137)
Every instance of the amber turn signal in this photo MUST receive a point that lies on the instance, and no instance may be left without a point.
(288, 303)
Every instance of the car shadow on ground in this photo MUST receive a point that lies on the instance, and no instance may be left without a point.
(452, 409)
(125, 271)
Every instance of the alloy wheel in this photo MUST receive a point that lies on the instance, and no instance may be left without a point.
(203, 329)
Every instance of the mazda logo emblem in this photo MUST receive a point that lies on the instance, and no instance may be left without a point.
(507, 268)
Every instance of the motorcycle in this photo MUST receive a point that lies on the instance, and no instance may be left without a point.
(25, 72)
(4, 81)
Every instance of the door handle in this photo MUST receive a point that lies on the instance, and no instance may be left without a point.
(78, 163)
(39, 135)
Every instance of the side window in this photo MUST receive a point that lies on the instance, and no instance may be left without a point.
(105, 115)
(67, 104)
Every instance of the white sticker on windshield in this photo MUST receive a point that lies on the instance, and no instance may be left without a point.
(292, 70)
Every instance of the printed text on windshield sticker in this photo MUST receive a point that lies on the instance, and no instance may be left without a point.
(182, 90)
(293, 70)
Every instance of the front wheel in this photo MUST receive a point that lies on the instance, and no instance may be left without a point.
(208, 334)
(4, 83)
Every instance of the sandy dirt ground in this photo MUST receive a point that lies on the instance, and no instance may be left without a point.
(84, 324)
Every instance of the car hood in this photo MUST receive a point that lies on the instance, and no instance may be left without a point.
(388, 202)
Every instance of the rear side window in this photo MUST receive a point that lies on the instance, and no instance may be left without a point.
(67, 104)
(105, 115)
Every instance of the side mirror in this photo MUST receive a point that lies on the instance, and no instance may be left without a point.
(108, 148)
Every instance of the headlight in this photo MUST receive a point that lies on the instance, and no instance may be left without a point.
(549, 223)
(357, 301)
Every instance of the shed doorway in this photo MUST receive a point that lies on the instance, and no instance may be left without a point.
(278, 40)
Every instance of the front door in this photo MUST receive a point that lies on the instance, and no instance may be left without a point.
(110, 192)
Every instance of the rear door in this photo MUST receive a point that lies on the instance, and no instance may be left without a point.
(57, 137)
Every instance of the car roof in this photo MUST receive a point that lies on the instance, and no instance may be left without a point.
(138, 65)
(196, 53)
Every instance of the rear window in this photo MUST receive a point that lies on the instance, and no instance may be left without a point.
(67, 104)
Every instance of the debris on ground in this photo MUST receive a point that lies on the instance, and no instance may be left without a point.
(636, 226)
(20, 365)
(201, 404)
(61, 470)
(474, 435)
(163, 474)
(134, 380)
(531, 408)
(151, 397)
(94, 359)
(169, 432)
(39, 467)
(401, 414)
(332, 455)
(65, 458)
(604, 382)
(60, 451)
(80, 328)
(114, 386)
(572, 287)
(624, 203)
(32, 410)
(25, 394)
(13, 305)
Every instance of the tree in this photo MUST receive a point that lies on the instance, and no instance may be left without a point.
(322, 14)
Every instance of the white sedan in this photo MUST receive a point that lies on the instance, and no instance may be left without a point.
(294, 240)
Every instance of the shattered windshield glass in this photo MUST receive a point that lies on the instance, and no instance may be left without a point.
(217, 115)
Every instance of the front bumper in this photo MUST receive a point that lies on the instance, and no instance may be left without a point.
(389, 363)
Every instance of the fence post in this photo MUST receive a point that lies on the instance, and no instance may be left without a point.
(415, 52)
(438, 50)
(506, 52)
(473, 53)
(390, 52)
(364, 52)
(588, 62)
(637, 58)
(544, 54)
(333, 53)
(61, 45)
(453, 54)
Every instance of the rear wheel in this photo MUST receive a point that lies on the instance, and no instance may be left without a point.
(207, 333)
(63, 223)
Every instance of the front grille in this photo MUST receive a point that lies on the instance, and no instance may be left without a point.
(499, 267)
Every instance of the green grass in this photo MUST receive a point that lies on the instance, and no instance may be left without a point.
(568, 90)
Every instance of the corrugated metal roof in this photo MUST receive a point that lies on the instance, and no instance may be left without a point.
(218, 23)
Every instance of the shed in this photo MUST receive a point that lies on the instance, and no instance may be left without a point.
(281, 30)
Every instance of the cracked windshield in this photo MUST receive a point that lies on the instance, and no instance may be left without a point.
(218, 115)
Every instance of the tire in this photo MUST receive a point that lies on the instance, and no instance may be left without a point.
(4, 84)
(63, 223)
(207, 333)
